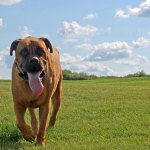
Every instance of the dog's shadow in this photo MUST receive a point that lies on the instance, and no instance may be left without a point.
(9, 137)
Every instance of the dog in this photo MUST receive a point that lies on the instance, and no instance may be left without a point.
(36, 81)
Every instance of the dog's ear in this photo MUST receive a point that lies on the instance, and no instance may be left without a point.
(14, 46)
(47, 43)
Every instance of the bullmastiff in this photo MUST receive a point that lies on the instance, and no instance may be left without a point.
(36, 80)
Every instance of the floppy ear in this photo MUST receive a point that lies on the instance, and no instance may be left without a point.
(47, 43)
(14, 46)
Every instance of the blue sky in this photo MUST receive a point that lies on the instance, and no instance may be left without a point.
(107, 37)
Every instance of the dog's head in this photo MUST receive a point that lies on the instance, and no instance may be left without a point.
(31, 57)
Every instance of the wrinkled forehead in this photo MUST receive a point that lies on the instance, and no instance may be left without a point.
(31, 44)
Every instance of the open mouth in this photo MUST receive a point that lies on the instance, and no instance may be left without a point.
(41, 76)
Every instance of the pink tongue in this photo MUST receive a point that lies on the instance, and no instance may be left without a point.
(35, 83)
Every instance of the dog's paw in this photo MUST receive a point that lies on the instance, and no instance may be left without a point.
(40, 141)
(29, 137)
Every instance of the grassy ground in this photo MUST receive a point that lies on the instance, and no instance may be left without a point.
(105, 114)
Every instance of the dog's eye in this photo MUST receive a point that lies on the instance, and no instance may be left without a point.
(40, 52)
(24, 52)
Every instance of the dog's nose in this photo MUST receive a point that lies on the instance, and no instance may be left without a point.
(34, 60)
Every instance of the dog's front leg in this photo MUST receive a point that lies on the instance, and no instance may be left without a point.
(21, 124)
(43, 117)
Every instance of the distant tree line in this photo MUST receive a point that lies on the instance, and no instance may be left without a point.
(138, 74)
(69, 75)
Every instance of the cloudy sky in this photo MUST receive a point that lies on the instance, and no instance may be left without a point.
(102, 37)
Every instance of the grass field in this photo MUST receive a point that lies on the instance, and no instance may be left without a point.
(105, 114)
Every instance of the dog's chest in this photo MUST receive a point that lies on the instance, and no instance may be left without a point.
(32, 103)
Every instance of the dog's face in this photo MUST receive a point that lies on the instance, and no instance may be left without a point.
(31, 53)
(31, 56)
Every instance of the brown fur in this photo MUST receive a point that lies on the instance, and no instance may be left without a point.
(23, 97)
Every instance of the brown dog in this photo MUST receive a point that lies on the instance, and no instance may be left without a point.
(36, 78)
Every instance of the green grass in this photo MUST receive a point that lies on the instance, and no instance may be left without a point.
(105, 114)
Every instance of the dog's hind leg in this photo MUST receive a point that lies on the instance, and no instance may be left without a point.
(56, 101)
(21, 124)
(34, 122)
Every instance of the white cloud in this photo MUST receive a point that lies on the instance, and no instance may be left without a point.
(97, 68)
(106, 46)
(120, 13)
(1, 59)
(5, 58)
(68, 59)
(1, 22)
(79, 64)
(143, 10)
(118, 52)
(9, 2)
(86, 47)
(70, 32)
(90, 16)
(126, 62)
(141, 42)
(107, 51)
(25, 31)
(140, 60)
